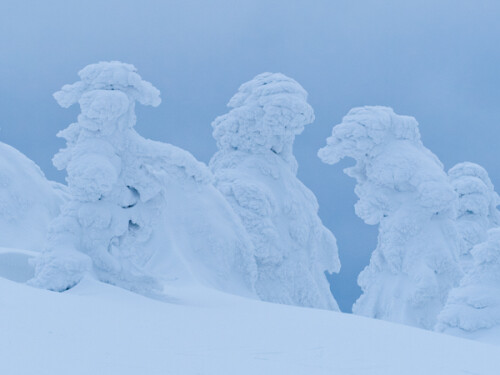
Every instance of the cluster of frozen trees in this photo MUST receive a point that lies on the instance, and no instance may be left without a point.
(436, 264)
(144, 215)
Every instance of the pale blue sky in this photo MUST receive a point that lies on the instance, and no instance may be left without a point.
(436, 60)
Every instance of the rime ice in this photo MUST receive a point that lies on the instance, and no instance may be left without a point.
(401, 187)
(142, 213)
(477, 210)
(256, 171)
(473, 308)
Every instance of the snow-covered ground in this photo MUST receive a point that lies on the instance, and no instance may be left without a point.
(97, 328)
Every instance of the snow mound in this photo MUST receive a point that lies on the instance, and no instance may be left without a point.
(28, 201)
(256, 171)
(401, 187)
(141, 211)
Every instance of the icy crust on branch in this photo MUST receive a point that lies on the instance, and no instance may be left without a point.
(142, 212)
(267, 113)
(473, 308)
(477, 208)
(256, 171)
(402, 187)
(28, 201)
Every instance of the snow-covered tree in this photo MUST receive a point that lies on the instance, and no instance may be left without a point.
(402, 187)
(140, 211)
(28, 201)
(256, 171)
(473, 308)
(477, 209)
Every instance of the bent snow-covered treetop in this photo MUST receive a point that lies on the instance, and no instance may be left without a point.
(267, 113)
(363, 128)
(390, 158)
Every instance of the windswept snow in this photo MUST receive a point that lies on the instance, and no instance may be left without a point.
(256, 171)
(28, 201)
(401, 187)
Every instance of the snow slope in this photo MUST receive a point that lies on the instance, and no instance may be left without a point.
(97, 328)
(28, 201)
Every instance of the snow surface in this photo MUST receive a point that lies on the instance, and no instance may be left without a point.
(402, 187)
(97, 328)
(256, 171)
(140, 210)
(28, 201)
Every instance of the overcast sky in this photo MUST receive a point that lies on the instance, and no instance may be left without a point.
(438, 61)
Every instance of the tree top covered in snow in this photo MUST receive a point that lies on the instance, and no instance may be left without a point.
(390, 159)
(267, 113)
(476, 191)
(109, 75)
(364, 128)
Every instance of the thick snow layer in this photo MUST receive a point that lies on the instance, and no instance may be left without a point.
(97, 328)
(402, 187)
(28, 201)
(477, 210)
(256, 171)
(141, 210)
(473, 308)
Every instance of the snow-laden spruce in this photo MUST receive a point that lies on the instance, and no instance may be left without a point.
(477, 209)
(402, 187)
(256, 171)
(28, 201)
(141, 212)
(473, 308)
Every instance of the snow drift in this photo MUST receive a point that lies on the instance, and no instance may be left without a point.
(256, 171)
(401, 187)
(28, 201)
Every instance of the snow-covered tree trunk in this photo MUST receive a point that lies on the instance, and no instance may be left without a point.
(401, 187)
(256, 171)
(140, 210)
